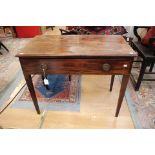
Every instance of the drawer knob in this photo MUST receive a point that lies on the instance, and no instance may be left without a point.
(43, 66)
(106, 67)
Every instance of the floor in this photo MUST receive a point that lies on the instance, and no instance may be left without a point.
(97, 108)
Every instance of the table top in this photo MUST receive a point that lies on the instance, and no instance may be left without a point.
(71, 46)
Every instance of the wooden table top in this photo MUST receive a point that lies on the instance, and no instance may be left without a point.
(77, 46)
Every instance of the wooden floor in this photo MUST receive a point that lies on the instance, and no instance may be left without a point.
(97, 109)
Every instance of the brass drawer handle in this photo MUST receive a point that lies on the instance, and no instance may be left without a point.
(43, 66)
(106, 67)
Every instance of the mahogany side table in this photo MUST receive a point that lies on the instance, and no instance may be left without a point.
(77, 54)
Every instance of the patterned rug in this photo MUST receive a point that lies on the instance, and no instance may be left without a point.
(63, 95)
(99, 30)
(142, 103)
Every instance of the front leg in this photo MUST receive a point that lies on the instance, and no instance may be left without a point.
(112, 82)
(30, 86)
(124, 83)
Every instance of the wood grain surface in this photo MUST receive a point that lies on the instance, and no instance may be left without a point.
(76, 66)
(77, 46)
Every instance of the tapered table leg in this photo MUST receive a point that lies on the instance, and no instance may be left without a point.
(32, 91)
(125, 80)
(112, 82)
(69, 76)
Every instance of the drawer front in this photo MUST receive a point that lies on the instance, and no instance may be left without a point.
(76, 66)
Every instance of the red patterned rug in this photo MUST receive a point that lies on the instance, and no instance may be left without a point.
(101, 30)
(63, 95)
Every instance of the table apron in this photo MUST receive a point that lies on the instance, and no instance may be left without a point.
(77, 66)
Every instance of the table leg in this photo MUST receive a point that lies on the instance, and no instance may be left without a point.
(112, 82)
(69, 76)
(30, 86)
(124, 83)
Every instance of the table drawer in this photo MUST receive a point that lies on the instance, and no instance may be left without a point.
(77, 66)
